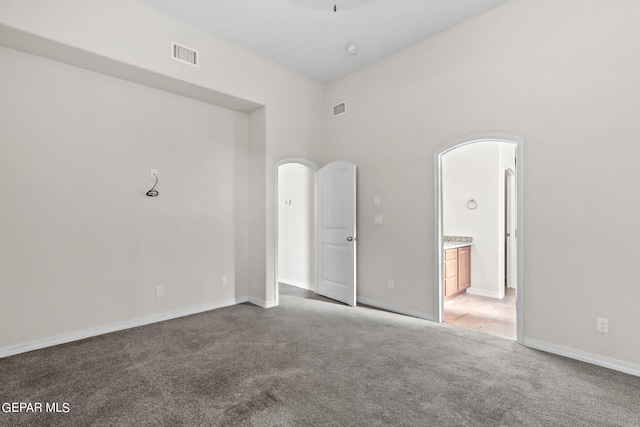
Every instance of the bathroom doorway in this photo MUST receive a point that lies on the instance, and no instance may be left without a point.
(478, 212)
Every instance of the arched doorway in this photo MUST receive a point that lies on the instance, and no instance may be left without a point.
(470, 208)
(295, 224)
(324, 239)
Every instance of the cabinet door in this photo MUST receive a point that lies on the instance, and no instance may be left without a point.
(464, 267)
(450, 272)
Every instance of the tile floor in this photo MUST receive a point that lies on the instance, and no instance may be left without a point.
(483, 314)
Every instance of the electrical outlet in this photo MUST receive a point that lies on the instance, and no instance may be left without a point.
(602, 325)
(377, 219)
(224, 281)
(391, 283)
(159, 291)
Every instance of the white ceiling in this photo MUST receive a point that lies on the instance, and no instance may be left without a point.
(309, 37)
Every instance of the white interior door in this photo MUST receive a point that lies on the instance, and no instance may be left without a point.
(336, 238)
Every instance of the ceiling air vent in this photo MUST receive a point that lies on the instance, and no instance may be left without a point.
(184, 54)
(339, 109)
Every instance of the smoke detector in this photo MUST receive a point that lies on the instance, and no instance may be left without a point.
(351, 48)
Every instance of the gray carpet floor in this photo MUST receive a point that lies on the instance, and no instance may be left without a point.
(311, 362)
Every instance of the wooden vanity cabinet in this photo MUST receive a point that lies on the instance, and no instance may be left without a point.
(464, 267)
(450, 272)
(457, 271)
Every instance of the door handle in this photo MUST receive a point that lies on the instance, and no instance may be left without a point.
(349, 239)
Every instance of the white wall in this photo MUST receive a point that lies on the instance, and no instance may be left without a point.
(296, 225)
(125, 35)
(125, 31)
(82, 245)
(474, 171)
(562, 75)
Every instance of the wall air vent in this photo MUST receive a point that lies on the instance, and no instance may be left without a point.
(339, 109)
(184, 54)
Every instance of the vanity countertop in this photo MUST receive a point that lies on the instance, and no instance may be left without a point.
(454, 245)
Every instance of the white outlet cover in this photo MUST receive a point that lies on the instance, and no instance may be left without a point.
(602, 325)
(377, 219)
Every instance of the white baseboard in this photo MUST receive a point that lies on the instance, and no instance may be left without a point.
(594, 359)
(119, 326)
(395, 308)
(483, 293)
(262, 303)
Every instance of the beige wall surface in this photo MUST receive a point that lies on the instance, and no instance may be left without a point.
(82, 245)
(291, 124)
(562, 74)
(131, 33)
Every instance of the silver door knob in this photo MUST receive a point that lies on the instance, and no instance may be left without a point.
(349, 239)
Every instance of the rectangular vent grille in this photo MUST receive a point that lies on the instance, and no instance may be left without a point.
(339, 109)
(184, 54)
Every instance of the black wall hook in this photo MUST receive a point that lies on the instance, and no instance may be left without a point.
(153, 192)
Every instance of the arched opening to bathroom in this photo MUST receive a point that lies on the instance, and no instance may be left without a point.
(478, 253)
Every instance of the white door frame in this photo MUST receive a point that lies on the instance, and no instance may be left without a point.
(438, 222)
(510, 231)
(315, 168)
